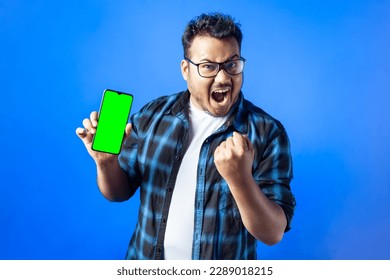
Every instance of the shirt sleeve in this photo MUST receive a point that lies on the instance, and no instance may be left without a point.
(128, 157)
(274, 174)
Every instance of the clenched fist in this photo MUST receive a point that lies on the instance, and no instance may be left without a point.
(234, 158)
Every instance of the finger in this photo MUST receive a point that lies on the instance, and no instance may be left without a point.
(84, 135)
(81, 132)
(229, 142)
(248, 142)
(128, 130)
(88, 126)
(94, 118)
(219, 153)
(220, 148)
(222, 145)
(239, 141)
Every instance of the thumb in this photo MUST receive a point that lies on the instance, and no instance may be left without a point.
(248, 143)
(128, 130)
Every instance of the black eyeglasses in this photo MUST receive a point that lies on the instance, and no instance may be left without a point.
(211, 69)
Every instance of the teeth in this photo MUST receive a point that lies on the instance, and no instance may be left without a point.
(221, 90)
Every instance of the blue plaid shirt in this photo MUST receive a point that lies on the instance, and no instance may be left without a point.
(151, 157)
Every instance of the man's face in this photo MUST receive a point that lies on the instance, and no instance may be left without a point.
(214, 95)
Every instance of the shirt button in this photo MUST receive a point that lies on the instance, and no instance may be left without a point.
(163, 220)
(177, 157)
(169, 190)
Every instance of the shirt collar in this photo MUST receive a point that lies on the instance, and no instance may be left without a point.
(181, 104)
(239, 116)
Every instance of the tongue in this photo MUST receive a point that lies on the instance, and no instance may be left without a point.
(218, 96)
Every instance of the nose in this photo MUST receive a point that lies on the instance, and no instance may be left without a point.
(222, 76)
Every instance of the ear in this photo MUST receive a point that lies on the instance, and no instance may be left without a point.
(184, 69)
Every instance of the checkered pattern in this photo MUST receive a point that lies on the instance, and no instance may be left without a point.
(152, 155)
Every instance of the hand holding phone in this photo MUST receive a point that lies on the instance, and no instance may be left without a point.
(105, 132)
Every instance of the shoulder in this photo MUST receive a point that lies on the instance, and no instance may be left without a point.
(156, 110)
(257, 118)
(161, 104)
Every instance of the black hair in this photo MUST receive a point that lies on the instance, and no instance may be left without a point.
(216, 25)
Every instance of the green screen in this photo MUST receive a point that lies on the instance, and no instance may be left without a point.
(113, 116)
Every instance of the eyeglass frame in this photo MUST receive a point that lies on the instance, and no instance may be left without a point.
(221, 66)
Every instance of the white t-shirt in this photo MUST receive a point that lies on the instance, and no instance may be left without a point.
(180, 223)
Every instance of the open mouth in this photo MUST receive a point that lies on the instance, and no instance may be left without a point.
(219, 95)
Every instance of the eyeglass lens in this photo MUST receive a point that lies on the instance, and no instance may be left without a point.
(209, 69)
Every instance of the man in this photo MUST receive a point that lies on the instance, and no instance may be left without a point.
(213, 170)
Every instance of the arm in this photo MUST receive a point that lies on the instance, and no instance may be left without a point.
(263, 218)
(112, 180)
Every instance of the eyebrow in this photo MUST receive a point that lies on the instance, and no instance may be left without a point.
(235, 56)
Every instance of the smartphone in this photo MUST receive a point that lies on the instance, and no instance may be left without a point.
(113, 116)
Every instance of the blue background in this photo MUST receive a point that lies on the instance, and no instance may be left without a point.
(321, 67)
